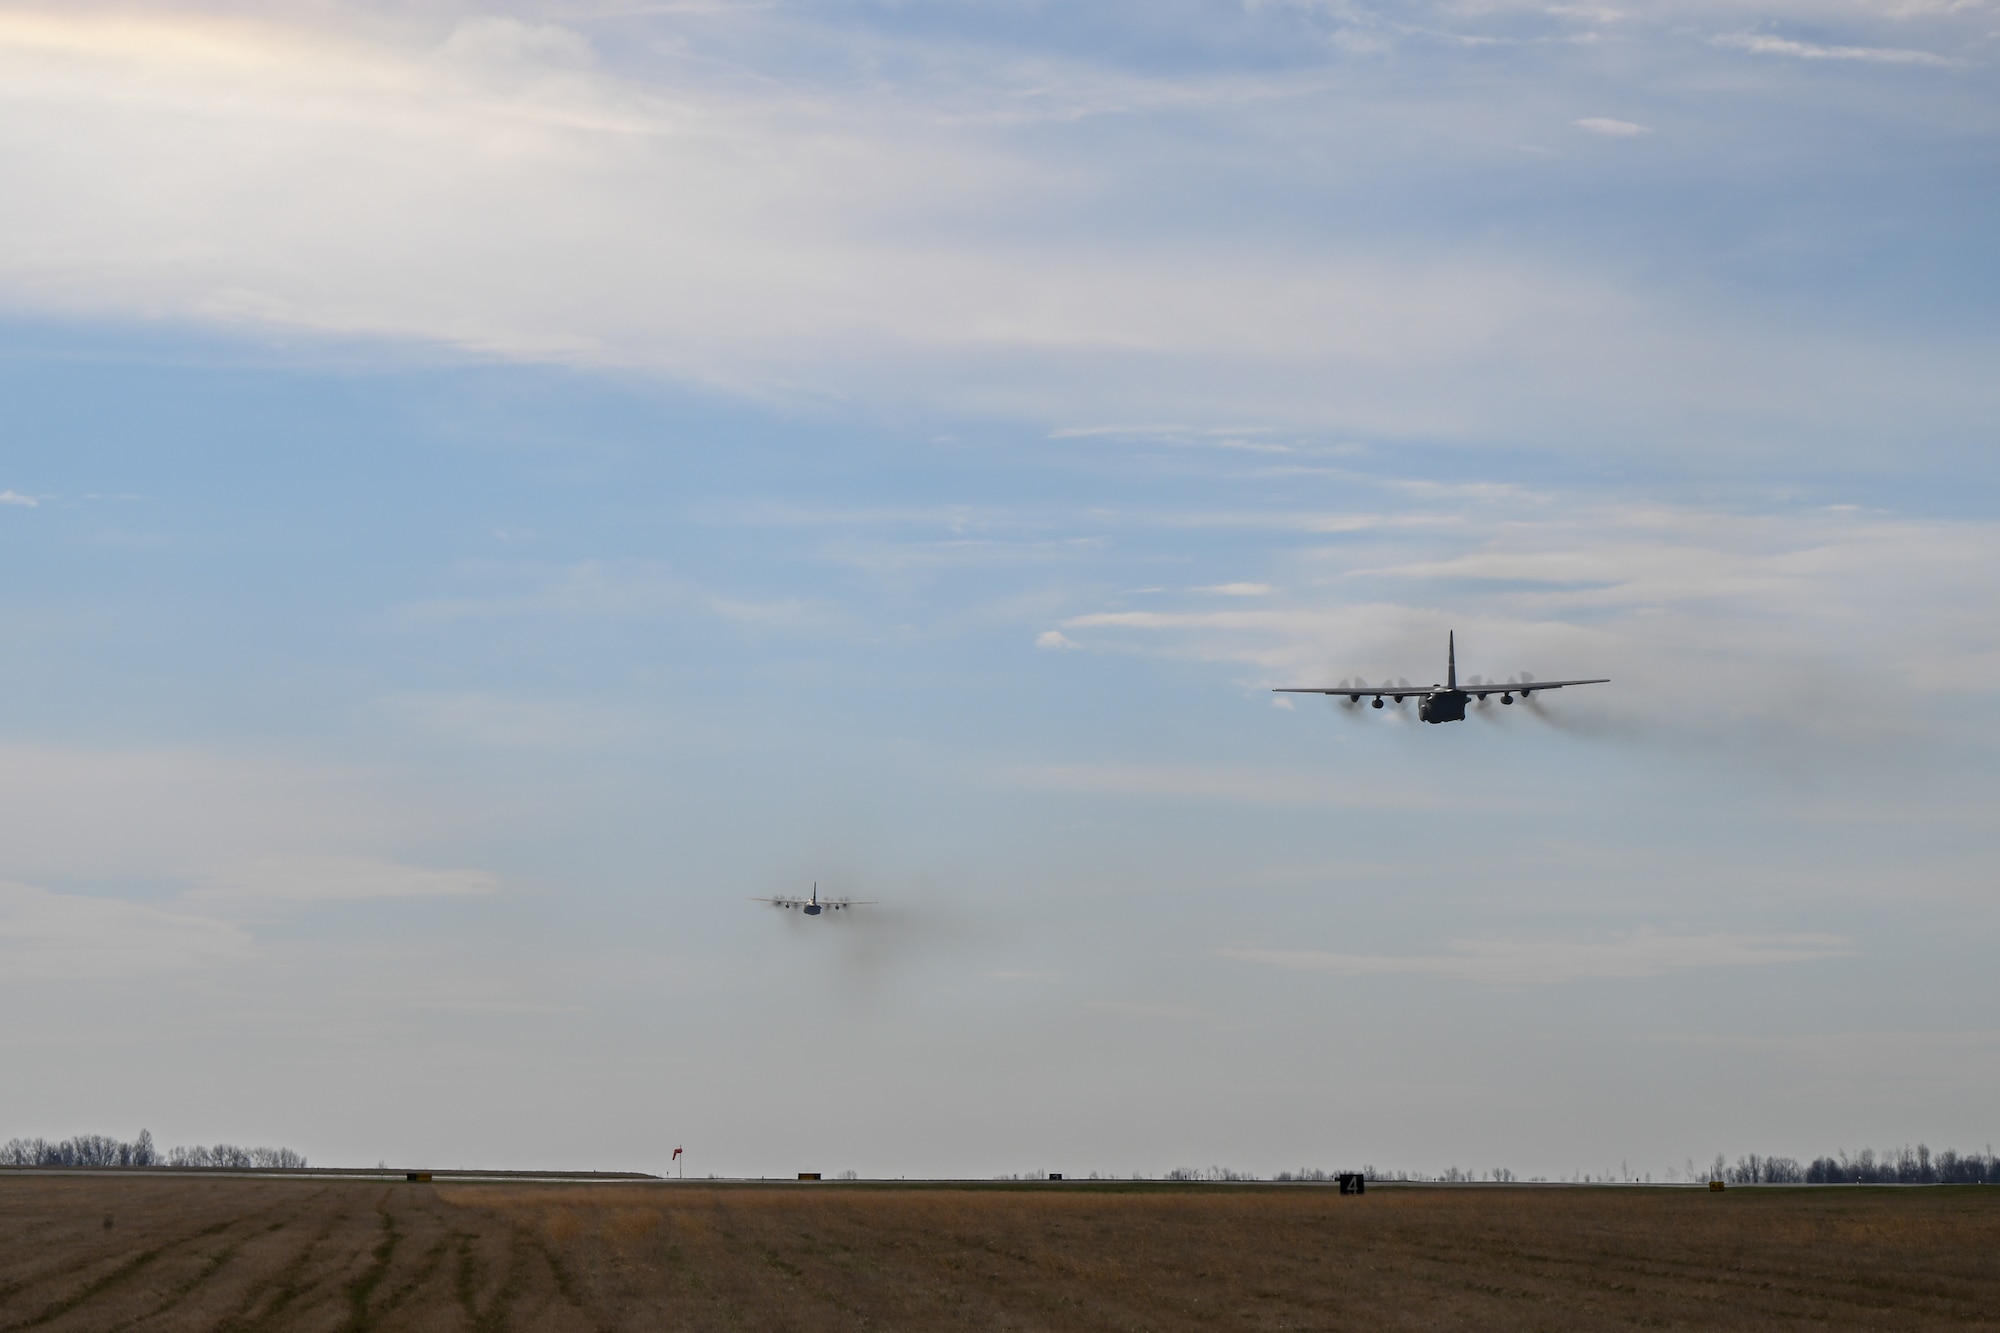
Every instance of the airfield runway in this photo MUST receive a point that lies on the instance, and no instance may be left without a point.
(187, 1252)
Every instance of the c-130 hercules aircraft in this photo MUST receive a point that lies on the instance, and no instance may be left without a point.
(814, 905)
(1440, 703)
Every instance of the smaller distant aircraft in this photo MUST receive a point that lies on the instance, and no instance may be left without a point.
(1441, 703)
(813, 906)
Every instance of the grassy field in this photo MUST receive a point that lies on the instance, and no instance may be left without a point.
(187, 1252)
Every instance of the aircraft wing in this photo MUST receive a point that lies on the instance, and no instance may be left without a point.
(832, 903)
(1407, 691)
(1386, 691)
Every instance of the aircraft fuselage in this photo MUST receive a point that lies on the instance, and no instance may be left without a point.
(1443, 706)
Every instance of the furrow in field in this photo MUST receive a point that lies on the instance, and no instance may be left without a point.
(90, 1290)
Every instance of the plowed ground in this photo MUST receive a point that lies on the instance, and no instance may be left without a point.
(237, 1255)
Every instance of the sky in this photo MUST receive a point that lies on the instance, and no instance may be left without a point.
(487, 490)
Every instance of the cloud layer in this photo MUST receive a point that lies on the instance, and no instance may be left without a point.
(47, 936)
(714, 195)
(1857, 627)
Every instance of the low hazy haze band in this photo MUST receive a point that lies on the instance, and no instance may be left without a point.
(486, 489)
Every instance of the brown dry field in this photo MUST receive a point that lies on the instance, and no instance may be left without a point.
(180, 1253)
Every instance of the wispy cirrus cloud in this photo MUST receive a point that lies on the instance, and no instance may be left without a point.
(1659, 597)
(692, 190)
(1768, 44)
(48, 936)
(720, 204)
(1533, 962)
(1614, 129)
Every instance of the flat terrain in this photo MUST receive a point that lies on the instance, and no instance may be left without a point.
(188, 1252)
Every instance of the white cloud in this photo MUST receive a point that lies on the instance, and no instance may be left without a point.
(1176, 619)
(1764, 44)
(1095, 432)
(579, 215)
(16, 498)
(48, 936)
(1832, 623)
(1056, 640)
(1524, 962)
(1238, 589)
(341, 878)
(504, 43)
(777, 235)
(1616, 129)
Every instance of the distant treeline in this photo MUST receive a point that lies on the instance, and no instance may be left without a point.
(1905, 1166)
(1217, 1173)
(1451, 1175)
(101, 1150)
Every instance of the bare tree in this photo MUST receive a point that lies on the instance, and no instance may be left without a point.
(98, 1150)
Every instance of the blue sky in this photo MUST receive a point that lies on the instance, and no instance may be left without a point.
(490, 488)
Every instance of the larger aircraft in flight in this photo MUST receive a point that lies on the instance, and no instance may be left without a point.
(814, 905)
(1439, 703)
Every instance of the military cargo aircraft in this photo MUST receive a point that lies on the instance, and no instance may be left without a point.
(812, 906)
(1439, 703)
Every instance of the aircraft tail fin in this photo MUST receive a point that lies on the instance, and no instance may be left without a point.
(1451, 660)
